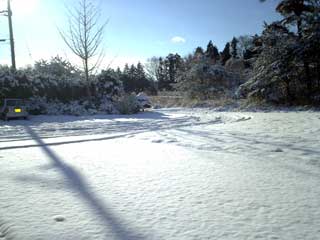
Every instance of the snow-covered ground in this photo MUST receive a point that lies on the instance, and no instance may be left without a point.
(168, 174)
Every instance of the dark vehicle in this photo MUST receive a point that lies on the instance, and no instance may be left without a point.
(13, 108)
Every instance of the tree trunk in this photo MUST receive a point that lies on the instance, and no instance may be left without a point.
(289, 94)
(299, 28)
(318, 75)
(308, 77)
(86, 69)
(305, 62)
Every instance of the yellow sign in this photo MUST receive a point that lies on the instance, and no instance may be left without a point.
(17, 110)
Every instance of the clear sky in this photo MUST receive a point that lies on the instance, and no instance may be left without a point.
(137, 29)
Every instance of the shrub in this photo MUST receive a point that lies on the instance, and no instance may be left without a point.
(128, 104)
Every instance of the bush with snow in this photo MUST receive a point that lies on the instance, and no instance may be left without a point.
(41, 105)
(128, 104)
(57, 87)
(203, 80)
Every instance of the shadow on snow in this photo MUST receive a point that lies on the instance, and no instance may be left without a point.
(77, 182)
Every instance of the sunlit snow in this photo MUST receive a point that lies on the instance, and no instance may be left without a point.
(167, 174)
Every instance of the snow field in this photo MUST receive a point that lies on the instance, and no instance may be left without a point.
(170, 174)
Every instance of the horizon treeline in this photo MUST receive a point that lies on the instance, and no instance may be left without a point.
(279, 66)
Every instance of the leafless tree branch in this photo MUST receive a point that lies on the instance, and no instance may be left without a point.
(84, 36)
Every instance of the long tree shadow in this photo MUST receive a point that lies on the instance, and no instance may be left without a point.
(79, 183)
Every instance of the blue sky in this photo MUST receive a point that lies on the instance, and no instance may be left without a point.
(137, 29)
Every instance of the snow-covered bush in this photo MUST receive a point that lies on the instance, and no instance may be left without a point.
(57, 87)
(203, 80)
(37, 105)
(107, 106)
(128, 104)
(15, 83)
(41, 105)
(56, 79)
(107, 84)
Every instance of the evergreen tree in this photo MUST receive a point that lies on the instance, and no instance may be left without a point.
(173, 62)
(225, 55)
(126, 69)
(167, 71)
(132, 70)
(295, 11)
(134, 79)
(142, 83)
(303, 14)
(212, 52)
(199, 53)
(126, 78)
(161, 72)
(118, 71)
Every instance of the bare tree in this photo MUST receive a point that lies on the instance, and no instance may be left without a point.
(152, 68)
(84, 36)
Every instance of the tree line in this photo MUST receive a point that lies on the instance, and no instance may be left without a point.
(279, 66)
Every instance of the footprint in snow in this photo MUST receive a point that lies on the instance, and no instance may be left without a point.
(243, 119)
(278, 150)
(157, 141)
(59, 218)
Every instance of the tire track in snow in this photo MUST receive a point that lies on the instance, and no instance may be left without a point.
(139, 131)
(7, 232)
(46, 128)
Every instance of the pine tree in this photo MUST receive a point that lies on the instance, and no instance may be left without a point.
(118, 71)
(293, 11)
(126, 78)
(167, 71)
(199, 53)
(126, 69)
(141, 81)
(299, 12)
(173, 63)
(225, 55)
(161, 72)
(212, 52)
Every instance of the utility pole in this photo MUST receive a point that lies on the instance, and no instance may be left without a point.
(13, 56)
